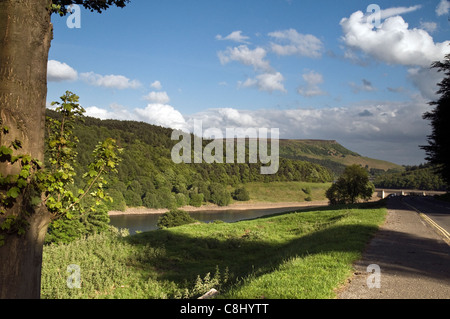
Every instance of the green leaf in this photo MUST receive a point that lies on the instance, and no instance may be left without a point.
(5, 150)
(13, 192)
(21, 183)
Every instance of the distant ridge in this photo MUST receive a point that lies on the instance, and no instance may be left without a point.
(330, 154)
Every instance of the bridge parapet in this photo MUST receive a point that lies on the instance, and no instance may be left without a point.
(383, 193)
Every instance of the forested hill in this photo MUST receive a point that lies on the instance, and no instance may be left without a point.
(147, 176)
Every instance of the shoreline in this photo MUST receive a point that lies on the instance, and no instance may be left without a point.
(212, 207)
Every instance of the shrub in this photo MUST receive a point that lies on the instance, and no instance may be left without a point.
(219, 195)
(241, 194)
(196, 200)
(175, 218)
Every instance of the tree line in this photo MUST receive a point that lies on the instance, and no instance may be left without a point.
(422, 177)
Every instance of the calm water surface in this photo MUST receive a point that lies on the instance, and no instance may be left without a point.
(148, 222)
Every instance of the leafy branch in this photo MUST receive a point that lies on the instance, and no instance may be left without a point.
(51, 185)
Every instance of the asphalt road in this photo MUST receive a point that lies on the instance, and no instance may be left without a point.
(412, 257)
(437, 211)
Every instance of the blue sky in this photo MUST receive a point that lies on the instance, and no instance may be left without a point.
(313, 69)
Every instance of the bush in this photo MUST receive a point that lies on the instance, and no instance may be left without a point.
(196, 200)
(219, 195)
(241, 194)
(175, 218)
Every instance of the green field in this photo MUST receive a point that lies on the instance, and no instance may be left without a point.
(286, 191)
(305, 254)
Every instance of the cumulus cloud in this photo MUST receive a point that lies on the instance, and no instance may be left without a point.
(59, 72)
(163, 115)
(296, 44)
(246, 56)
(235, 36)
(110, 81)
(156, 85)
(157, 97)
(114, 112)
(268, 82)
(443, 7)
(313, 80)
(393, 41)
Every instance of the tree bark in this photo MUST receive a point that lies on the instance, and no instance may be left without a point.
(25, 37)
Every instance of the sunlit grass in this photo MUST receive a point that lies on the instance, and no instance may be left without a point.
(305, 254)
(286, 191)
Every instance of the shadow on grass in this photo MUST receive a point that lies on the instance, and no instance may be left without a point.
(245, 251)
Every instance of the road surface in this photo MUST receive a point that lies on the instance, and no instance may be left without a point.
(437, 211)
(413, 257)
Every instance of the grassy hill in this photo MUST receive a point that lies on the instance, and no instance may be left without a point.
(330, 154)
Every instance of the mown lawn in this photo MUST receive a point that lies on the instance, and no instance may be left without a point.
(304, 254)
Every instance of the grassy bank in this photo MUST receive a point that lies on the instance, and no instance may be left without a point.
(286, 191)
(304, 254)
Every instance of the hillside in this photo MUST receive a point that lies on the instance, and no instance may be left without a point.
(330, 154)
(148, 177)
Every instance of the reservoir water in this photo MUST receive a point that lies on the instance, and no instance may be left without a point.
(147, 222)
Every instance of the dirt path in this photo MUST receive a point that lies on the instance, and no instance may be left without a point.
(413, 258)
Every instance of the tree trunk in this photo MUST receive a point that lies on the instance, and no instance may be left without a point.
(25, 36)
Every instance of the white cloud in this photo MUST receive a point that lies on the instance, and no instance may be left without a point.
(234, 36)
(297, 44)
(390, 12)
(156, 85)
(246, 56)
(443, 7)
(268, 82)
(115, 112)
(426, 80)
(110, 81)
(157, 97)
(393, 42)
(59, 72)
(313, 80)
(428, 26)
(163, 115)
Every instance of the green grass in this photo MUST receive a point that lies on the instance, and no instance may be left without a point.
(286, 191)
(305, 254)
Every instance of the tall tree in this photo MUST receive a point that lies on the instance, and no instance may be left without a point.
(25, 38)
(438, 148)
